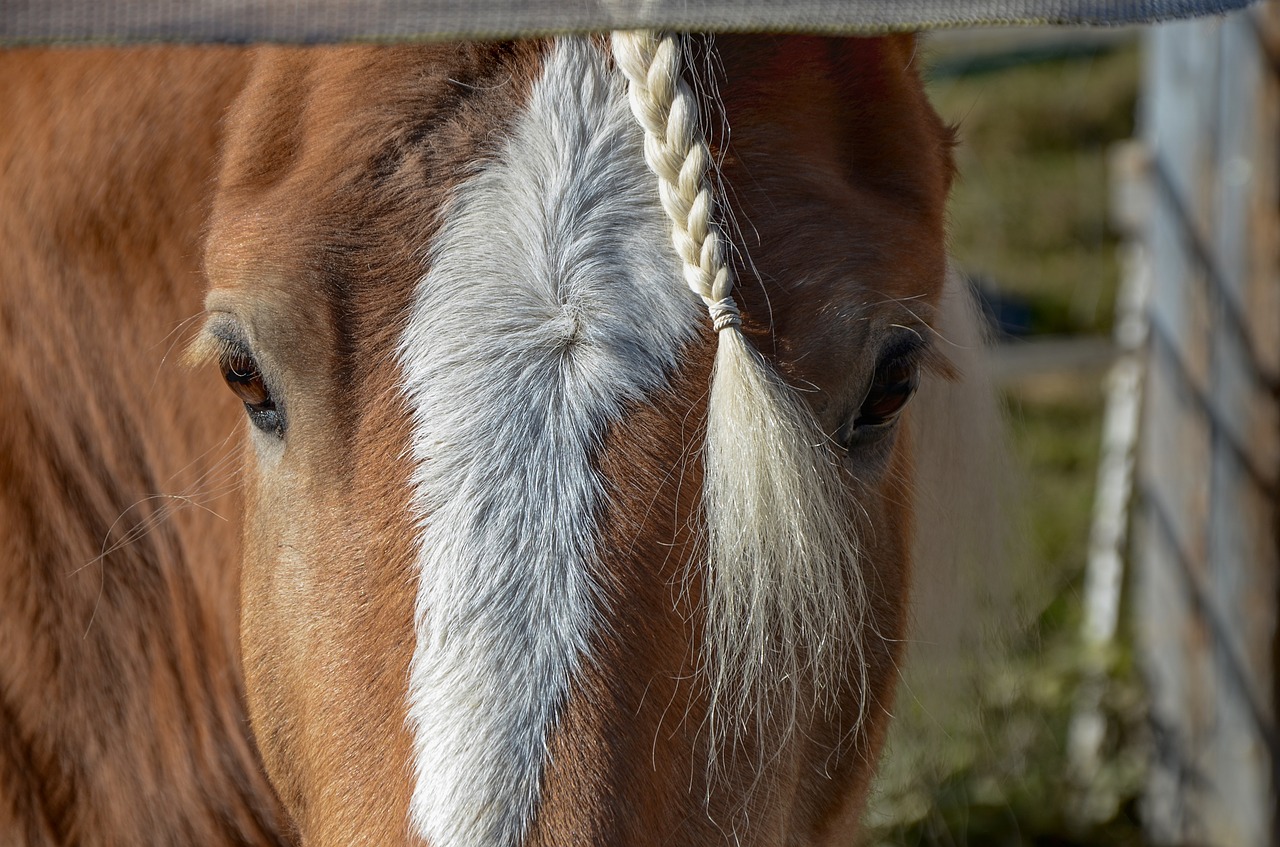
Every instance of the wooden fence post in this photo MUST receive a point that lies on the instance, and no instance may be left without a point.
(1207, 582)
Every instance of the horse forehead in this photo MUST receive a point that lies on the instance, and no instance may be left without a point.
(328, 145)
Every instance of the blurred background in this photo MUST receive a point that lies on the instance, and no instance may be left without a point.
(1117, 214)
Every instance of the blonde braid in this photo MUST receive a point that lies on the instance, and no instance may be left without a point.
(677, 153)
(784, 592)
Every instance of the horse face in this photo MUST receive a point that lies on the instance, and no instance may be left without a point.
(443, 286)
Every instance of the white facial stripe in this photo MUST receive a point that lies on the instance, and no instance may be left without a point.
(553, 299)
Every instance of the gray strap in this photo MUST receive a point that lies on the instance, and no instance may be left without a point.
(320, 21)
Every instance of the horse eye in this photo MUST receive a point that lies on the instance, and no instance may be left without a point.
(894, 383)
(243, 377)
(895, 380)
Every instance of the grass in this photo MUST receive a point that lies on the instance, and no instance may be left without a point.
(1002, 780)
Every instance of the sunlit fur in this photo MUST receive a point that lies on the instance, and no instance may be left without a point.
(552, 301)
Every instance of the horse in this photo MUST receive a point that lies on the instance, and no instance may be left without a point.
(506, 532)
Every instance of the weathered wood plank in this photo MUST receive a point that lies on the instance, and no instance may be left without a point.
(1206, 588)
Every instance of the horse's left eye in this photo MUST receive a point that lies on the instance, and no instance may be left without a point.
(243, 377)
(896, 378)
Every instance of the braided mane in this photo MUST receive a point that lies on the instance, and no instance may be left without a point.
(785, 596)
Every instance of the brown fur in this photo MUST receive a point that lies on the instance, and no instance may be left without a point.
(336, 171)
(325, 205)
(839, 171)
(121, 708)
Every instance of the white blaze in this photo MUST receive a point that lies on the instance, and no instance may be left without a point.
(553, 299)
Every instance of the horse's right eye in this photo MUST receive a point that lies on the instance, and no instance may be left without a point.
(243, 377)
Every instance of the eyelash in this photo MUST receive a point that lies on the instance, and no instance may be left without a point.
(243, 376)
